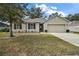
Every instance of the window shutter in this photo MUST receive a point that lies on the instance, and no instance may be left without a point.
(20, 26)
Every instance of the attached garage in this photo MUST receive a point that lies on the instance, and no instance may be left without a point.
(56, 25)
(56, 28)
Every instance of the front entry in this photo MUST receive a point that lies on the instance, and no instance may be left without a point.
(40, 27)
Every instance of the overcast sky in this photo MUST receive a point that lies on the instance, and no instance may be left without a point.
(61, 8)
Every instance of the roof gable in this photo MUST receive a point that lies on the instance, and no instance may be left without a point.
(57, 20)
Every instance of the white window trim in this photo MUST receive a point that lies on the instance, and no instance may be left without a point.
(32, 26)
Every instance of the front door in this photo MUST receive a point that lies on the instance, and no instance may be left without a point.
(40, 27)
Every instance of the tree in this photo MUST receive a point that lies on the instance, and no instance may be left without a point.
(35, 12)
(11, 13)
(73, 17)
(69, 17)
(55, 14)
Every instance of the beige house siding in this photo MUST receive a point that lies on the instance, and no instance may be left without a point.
(60, 23)
(19, 30)
(45, 26)
(33, 30)
(56, 21)
(25, 28)
(74, 28)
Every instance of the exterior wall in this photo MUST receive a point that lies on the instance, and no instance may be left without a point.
(25, 28)
(56, 20)
(33, 30)
(19, 30)
(74, 28)
(45, 26)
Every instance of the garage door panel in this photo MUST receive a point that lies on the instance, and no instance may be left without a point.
(56, 28)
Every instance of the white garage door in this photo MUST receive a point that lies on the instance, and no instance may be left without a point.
(56, 28)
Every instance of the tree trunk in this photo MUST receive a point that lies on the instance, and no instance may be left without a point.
(11, 32)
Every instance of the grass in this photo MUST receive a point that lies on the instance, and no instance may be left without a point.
(2, 34)
(76, 32)
(36, 45)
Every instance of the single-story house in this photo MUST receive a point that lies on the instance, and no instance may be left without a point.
(53, 24)
(74, 26)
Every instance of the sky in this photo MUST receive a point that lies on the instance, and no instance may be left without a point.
(61, 8)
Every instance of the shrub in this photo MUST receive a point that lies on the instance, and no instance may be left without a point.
(67, 30)
(46, 31)
(4, 30)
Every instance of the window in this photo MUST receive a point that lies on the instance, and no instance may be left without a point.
(28, 25)
(34, 25)
(18, 26)
(31, 25)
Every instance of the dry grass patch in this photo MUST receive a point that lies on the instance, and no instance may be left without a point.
(2, 34)
(76, 32)
(35, 45)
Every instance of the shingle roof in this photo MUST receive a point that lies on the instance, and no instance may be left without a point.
(39, 20)
(42, 20)
(62, 18)
(52, 17)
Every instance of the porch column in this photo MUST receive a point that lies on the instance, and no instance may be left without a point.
(37, 27)
(12, 27)
(23, 27)
(27, 27)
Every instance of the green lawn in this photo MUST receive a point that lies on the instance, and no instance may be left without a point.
(2, 34)
(35, 45)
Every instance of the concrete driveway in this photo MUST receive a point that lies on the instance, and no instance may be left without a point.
(69, 37)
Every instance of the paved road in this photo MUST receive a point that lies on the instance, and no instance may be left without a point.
(69, 37)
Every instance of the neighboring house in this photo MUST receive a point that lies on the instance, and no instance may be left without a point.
(53, 24)
(74, 26)
(4, 25)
